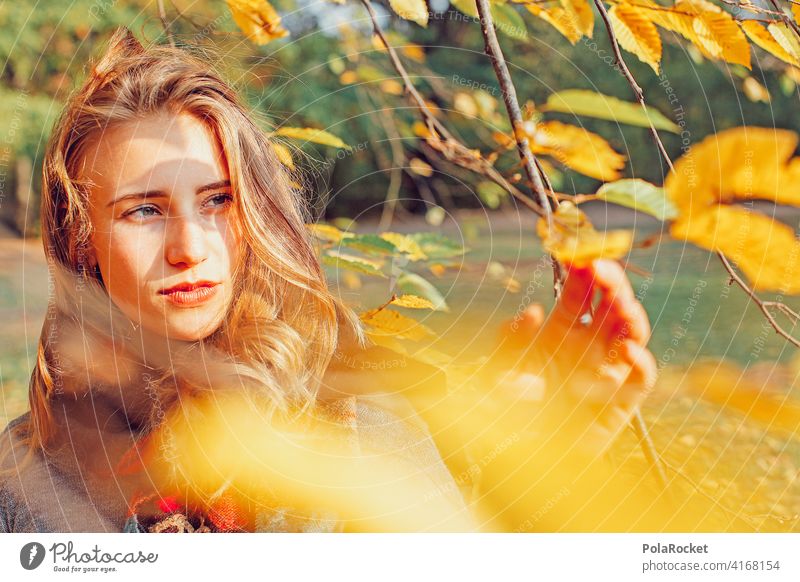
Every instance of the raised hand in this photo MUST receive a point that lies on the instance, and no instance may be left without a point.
(594, 366)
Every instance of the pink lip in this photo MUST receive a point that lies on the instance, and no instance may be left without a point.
(189, 294)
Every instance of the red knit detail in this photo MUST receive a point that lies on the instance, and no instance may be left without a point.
(226, 515)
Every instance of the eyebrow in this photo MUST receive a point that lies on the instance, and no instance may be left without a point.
(162, 194)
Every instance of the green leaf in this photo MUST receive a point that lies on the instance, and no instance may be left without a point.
(599, 106)
(437, 246)
(491, 193)
(639, 195)
(352, 263)
(370, 243)
(506, 19)
(415, 285)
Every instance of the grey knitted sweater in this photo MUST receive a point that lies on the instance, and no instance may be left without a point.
(67, 492)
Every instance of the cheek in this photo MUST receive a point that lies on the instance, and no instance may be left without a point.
(231, 240)
(125, 260)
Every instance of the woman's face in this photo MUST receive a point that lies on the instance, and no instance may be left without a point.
(165, 232)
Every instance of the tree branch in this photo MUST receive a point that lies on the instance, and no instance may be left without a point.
(440, 138)
(509, 92)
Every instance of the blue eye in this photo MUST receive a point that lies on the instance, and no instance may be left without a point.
(146, 211)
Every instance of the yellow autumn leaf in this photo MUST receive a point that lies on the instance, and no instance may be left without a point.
(421, 130)
(765, 250)
(405, 244)
(284, 155)
(437, 269)
(636, 33)
(564, 21)
(785, 37)
(739, 163)
(391, 87)
(763, 38)
(420, 167)
(582, 13)
(414, 52)
(319, 136)
(348, 77)
(707, 26)
(412, 302)
(326, 232)
(392, 323)
(351, 280)
(574, 240)
(464, 103)
(257, 19)
(754, 90)
(414, 10)
(576, 148)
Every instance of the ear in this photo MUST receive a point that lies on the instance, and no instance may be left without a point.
(122, 44)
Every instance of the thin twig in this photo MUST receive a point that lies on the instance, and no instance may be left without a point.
(447, 145)
(761, 305)
(640, 97)
(509, 92)
(788, 21)
(162, 14)
(626, 72)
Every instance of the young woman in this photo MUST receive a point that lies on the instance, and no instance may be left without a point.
(181, 263)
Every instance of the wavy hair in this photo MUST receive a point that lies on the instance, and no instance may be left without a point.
(283, 325)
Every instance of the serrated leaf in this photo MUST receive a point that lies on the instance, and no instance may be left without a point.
(640, 195)
(319, 136)
(707, 26)
(353, 263)
(416, 285)
(636, 33)
(577, 148)
(562, 20)
(574, 240)
(412, 302)
(405, 244)
(436, 246)
(369, 243)
(390, 322)
(766, 250)
(414, 10)
(257, 19)
(785, 37)
(763, 38)
(739, 163)
(599, 106)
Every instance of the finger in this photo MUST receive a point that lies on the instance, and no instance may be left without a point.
(521, 329)
(619, 315)
(577, 294)
(644, 372)
(617, 319)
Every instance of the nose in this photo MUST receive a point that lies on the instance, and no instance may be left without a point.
(186, 244)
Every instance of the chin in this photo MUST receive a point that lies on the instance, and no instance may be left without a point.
(191, 334)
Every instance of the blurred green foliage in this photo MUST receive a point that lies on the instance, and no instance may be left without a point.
(297, 81)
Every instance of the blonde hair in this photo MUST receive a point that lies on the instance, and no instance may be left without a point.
(284, 323)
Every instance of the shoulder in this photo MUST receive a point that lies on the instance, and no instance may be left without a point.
(12, 445)
(12, 452)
